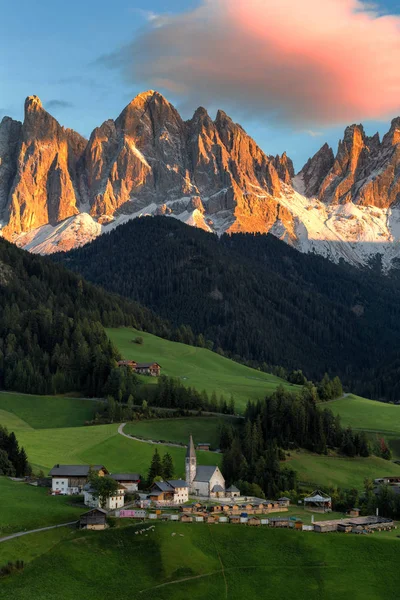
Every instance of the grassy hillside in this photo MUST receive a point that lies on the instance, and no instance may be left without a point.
(203, 561)
(322, 470)
(41, 412)
(369, 415)
(204, 429)
(376, 418)
(26, 507)
(197, 367)
(97, 445)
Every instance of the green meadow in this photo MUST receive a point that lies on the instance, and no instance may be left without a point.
(203, 429)
(202, 562)
(27, 507)
(42, 412)
(198, 367)
(332, 470)
(368, 415)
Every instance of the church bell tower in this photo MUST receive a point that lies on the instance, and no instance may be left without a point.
(190, 465)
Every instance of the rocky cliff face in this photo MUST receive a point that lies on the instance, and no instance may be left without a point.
(58, 190)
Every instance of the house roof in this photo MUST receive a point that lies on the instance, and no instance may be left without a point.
(177, 483)
(190, 452)
(203, 444)
(74, 470)
(146, 365)
(100, 510)
(125, 476)
(232, 488)
(170, 485)
(204, 472)
(283, 498)
(217, 488)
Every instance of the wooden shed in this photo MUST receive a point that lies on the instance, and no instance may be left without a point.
(215, 509)
(94, 519)
(283, 522)
(254, 521)
(186, 518)
(211, 519)
(234, 519)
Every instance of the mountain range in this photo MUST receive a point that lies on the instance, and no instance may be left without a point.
(59, 191)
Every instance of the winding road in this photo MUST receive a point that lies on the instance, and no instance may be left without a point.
(21, 533)
(155, 442)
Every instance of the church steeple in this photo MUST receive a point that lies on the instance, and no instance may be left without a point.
(190, 464)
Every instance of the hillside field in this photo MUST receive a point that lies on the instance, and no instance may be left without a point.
(369, 415)
(27, 507)
(198, 367)
(41, 412)
(202, 561)
(203, 429)
(319, 470)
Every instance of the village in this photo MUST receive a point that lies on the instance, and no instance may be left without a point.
(201, 498)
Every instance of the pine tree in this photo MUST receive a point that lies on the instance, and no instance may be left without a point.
(156, 468)
(168, 469)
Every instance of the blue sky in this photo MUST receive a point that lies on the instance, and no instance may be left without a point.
(50, 48)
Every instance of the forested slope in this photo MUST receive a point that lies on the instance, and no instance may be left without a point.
(256, 298)
(51, 334)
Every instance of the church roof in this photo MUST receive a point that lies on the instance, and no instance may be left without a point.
(204, 473)
(190, 452)
(217, 488)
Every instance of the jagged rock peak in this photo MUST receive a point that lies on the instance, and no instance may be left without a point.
(316, 169)
(392, 137)
(32, 104)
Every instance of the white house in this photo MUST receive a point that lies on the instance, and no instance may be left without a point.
(91, 499)
(130, 481)
(172, 491)
(205, 481)
(70, 479)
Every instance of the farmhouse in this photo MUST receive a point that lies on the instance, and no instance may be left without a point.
(90, 498)
(172, 491)
(93, 519)
(130, 481)
(152, 369)
(387, 481)
(127, 363)
(205, 481)
(70, 479)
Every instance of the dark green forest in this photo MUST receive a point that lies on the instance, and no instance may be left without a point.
(257, 299)
(52, 338)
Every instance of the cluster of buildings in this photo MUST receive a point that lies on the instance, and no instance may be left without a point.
(68, 480)
(152, 369)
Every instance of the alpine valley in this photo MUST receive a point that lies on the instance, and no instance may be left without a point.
(59, 191)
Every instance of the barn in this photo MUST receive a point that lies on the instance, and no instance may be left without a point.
(93, 519)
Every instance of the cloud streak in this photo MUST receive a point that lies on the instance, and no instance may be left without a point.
(58, 104)
(311, 62)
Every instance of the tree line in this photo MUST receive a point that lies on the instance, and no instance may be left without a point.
(13, 458)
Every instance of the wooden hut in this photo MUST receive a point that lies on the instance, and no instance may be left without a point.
(211, 519)
(282, 522)
(284, 502)
(216, 509)
(93, 519)
(235, 519)
(186, 518)
(254, 522)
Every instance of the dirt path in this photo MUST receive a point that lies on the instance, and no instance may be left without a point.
(155, 442)
(21, 533)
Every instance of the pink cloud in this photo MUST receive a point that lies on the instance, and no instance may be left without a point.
(310, 61)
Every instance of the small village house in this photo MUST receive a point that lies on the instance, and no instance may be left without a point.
(151, 369)
(70, 479)
(90, 498)
(130, 481)
(127, 363)
(203, 446)
(94, 519)
(172, 491)
(284, 502)
(232, 492)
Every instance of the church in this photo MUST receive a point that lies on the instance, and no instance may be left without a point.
(206, 481)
